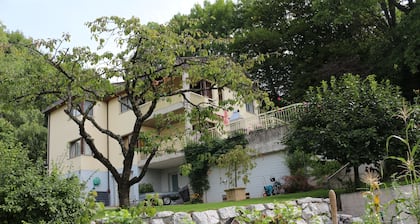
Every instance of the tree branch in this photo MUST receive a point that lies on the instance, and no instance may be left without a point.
(136, 179)
(107, 132)
(399, 6)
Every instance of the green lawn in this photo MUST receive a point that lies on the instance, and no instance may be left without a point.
(322, 193)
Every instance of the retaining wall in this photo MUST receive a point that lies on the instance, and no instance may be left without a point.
(308, 210)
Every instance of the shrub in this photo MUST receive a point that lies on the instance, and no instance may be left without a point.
(283, 213)
(298, 162)
(321, 169)
(29, 194)
(201, 156)
(137, 214)
(145, 188)
(296, 183)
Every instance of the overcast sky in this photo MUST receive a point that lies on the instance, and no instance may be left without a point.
(41, 19)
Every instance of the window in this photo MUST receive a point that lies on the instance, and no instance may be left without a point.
(220, 93)
(250, 107)
(83, 107)
(86, 106)
(204, 88)
(78, 148)
(125, 104)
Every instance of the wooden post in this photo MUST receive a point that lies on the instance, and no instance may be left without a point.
(333, 203)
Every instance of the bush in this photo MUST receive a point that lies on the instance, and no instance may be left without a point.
(201, 156)
(320, 169)
(298, 162)
(145, 188)
(29, 194)
(296, 183)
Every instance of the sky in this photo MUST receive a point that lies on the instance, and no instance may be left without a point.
(42, 19)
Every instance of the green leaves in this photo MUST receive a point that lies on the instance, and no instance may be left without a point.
(238, 162)
(28, 194)
(200, 157)
(348, 120)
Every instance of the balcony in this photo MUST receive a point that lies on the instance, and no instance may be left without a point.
(271, 119)
(274, 118)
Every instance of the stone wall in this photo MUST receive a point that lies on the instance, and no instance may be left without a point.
(309, 210)
(355, 204)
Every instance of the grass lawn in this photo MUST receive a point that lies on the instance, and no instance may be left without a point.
(321, 193)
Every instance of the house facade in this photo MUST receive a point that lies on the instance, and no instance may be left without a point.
(68, 151)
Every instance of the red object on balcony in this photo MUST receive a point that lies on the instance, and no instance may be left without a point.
(225, 117)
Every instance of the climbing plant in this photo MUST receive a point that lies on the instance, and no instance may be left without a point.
(201, 156)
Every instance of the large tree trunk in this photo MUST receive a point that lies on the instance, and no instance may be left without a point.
(124, 194)
(357, 182)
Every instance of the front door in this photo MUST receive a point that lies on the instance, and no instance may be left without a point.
(174, 182)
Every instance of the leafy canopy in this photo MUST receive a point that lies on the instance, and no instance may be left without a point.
(28, 193)
(348, 120)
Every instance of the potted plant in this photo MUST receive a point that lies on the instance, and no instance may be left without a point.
(237, 162)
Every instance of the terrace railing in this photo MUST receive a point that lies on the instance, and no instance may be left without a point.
(271, 119)
(274, 118)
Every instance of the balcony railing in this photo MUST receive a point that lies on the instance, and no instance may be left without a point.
(274, 118)
(271, 119)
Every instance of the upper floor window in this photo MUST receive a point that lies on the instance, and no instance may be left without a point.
(250, 107)
(220, 93)
(85, 106)
(125, 104)
(79, 147)
(204, 88)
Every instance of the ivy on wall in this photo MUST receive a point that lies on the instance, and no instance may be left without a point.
(201, 156)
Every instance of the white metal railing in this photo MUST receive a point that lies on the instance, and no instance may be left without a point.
(267, 120)
(281, 116)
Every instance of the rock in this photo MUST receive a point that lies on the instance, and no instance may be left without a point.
(164, 214)
(319, 208)
(269, 206)
(157, 221)
(181, 218)
(227, 212)
(256, 207)
(300, 221)
(355, 220)
(345, 219)
(309, 200)
(269, 213)
(207, 217)
(307, 213)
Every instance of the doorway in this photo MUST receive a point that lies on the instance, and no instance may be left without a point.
(173, 181)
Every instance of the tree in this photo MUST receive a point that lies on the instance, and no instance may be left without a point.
(16, 65)
(28, 129)
(29, 194)
(219, 18)
(150, 57)
(309, 41)
(348, 120)
(394, 57)
(200, 157)
(237, 162)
